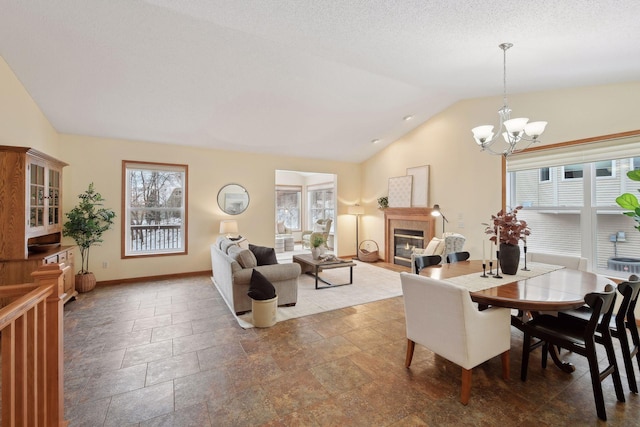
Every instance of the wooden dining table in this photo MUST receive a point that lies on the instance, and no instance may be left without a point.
(562, 289)
(558, 290)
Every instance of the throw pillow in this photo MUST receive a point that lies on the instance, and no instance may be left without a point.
(264, 255)
(260, 288)
(435, 247)
(245, 257)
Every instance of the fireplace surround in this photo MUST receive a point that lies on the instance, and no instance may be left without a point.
(406, 219)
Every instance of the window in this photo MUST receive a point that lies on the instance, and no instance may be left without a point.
(288, 206)
(321, 205)
(155, 209)
(635, 163)
(572, 171)
(544, 175)
(578, 217)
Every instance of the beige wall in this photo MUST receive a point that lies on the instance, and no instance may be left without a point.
(21, 121)
(99, 160)
(465, 182)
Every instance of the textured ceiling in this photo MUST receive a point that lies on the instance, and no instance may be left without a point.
(307, 78)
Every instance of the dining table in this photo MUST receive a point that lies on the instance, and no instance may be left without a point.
(540, 288)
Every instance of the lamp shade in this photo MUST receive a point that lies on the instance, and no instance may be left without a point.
(436, 210)
(228, 226)
(356, 210)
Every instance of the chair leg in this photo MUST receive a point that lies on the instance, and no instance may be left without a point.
(615, 372)
(506, 369)
(596, 385)
(465, 392)
(628, 361)
(410, 347)
(545, 354)
(526, 349)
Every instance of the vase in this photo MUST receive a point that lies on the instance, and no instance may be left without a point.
(316, 252)
(85, 282)
(509, 258)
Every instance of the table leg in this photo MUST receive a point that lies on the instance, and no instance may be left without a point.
(563, 366)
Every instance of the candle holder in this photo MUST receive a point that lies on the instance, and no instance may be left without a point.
(497, 275)
(525, 259)
(484, 270)
(490, 273)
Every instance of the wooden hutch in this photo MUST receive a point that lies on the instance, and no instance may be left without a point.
(31, 217)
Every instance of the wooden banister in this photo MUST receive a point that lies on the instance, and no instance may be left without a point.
(31, 346)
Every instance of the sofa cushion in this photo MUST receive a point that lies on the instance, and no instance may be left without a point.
(245, 257)
(226, 244)
(260, 288)
(264, 255)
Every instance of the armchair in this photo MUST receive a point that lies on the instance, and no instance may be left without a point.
(442, 317)
(322, 226)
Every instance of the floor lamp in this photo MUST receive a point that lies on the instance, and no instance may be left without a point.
(437, 212)
(356, 210)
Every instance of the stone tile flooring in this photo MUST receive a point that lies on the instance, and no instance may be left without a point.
(169, 353)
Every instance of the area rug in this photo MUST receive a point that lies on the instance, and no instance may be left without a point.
(370, 284)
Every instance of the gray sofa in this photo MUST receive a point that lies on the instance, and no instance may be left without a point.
(232, 267)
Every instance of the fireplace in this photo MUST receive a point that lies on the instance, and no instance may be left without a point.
(404, 241)
(417, 223)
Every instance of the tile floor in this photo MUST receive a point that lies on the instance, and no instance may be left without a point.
(169, 353)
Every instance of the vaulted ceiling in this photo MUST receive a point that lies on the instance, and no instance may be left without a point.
(309, 78)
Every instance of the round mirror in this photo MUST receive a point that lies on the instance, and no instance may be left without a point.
(233, 199)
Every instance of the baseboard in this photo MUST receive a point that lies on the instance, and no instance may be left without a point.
(149, 278)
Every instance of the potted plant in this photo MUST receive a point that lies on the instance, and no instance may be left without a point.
(86, 223)
(316, 241)
(629, 201)
(383, 202)
(509, 230)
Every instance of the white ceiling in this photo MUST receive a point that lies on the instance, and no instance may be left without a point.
(309, 78)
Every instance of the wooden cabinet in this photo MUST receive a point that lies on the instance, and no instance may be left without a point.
(31, 216)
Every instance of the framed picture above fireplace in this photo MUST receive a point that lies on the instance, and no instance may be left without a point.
(400, 191)
(420, 186)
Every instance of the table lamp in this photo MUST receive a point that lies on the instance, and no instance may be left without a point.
(228, 226)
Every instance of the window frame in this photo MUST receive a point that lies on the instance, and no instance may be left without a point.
(324, 188)
(183, 169)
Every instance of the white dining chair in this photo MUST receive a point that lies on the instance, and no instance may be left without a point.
(568, 261)
(441, 317)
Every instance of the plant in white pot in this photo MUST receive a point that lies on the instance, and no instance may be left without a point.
(86, 223)
(317, 245)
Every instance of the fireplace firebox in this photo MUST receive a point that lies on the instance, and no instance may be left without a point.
(404, 242)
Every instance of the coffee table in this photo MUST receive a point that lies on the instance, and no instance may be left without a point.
(313, 267)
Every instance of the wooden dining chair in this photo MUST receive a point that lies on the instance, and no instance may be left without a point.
(441, 317)
(457, 257)
(423, 261)
(623, 321)
(579, 337)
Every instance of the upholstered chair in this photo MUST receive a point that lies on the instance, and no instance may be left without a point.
(449, 243)
(321, 226)
(569, 261)
(441, 317)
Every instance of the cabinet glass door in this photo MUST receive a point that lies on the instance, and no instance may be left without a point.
(37, 196)
(54, 197)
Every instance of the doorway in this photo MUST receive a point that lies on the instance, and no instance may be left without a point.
(303, 198)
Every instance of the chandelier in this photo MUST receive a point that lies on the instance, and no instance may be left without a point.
(513, 131)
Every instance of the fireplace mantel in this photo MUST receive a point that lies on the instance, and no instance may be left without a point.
(419, 218)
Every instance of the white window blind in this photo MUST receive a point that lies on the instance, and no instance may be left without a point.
(619, 148)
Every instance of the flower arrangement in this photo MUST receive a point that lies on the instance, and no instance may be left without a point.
(508, 227)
